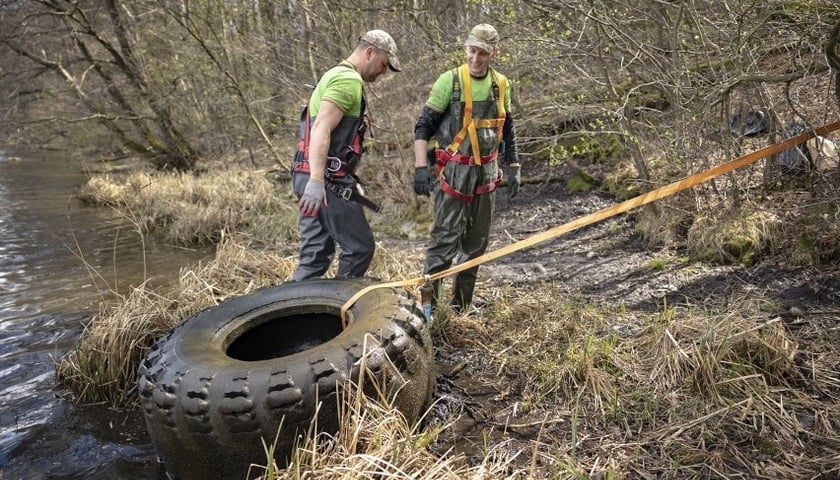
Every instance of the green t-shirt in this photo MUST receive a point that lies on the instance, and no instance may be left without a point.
(441, 94)
(342, 86)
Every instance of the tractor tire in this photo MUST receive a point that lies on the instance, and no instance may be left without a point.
(255, 369)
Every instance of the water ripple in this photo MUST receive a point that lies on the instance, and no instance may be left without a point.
(58, 260)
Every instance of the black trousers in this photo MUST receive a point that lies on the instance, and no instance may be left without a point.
(342, 223)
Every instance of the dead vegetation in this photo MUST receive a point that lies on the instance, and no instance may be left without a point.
(706, 392)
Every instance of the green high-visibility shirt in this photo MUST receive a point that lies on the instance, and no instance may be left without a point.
(341, 86)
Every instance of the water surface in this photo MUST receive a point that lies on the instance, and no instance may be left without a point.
(58, 260)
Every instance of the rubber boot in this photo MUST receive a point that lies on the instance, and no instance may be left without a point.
(462, 290)
(437, 290)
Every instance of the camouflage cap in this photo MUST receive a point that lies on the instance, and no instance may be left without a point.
(483, 36)
(381, 40)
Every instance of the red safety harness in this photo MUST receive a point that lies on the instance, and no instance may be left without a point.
(337, 166)
(340, 172)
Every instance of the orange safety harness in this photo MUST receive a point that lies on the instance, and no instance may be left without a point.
(470, 128)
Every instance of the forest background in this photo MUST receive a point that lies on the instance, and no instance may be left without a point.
(180, 81)
(616, 97)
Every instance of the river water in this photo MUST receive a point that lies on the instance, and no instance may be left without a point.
(58, 260)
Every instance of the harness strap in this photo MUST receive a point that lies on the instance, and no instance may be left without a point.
(447, 189)
(336, 167)
(351, 193)
(443, 156)
(481, 190)
(500, 120)
(490, 123)
(300, 165)
(307, 128)
(466, 118)
(468, 110)
(468, 197)
(303, 143)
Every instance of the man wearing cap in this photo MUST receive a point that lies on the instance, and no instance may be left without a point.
(468, 113)
(329, 151)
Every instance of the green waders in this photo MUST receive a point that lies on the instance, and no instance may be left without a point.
(468, 174)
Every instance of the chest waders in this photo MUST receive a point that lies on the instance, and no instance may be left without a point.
(467, 173)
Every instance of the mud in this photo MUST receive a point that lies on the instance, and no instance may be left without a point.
(608, 262)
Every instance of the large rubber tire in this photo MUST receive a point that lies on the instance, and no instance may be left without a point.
(221, 383)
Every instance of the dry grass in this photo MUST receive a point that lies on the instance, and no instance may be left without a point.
(188, 209)
(375, 441)
(102, 367)
(732, 237)
(679, 393)
(722, 390)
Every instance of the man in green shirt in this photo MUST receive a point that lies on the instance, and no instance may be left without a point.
(468, 113)
(330, 148)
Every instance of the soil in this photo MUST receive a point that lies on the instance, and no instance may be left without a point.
(604, 263)
(608, 263)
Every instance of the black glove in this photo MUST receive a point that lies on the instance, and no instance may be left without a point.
(514, 180)
(422, 181)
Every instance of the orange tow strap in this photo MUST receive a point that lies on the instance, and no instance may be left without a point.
(604, 213)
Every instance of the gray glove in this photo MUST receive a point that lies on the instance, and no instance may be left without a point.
(422, 181)
(313, 196)
(514, 180)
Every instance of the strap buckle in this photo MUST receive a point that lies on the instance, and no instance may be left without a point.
(346, 193)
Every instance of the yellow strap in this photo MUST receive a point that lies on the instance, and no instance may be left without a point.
(469, 123)
(466, 81)
(604, 213)
(352, 301)
(467, 126)
(640, 200)
(489, 122)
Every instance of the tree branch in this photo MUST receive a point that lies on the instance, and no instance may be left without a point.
(832, 56)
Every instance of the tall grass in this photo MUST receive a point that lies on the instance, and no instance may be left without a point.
(101, 368)
(375, 441)
(188, 209)
(708, 392)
